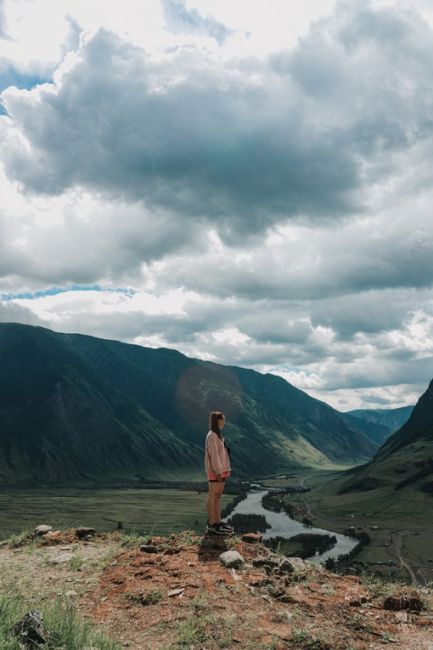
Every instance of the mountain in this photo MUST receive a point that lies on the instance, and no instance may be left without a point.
(377, 433)
(406, 458)
(60, 420)
(76, 407)
(379, 424)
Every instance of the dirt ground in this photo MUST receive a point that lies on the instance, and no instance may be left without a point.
(180, 596)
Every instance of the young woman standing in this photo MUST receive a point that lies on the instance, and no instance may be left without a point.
(217, 465)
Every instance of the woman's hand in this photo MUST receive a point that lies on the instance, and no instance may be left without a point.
(219, 477)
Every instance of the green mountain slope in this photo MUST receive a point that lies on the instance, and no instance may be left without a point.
(76, 407)
(406, 458)
(377, 433)
(60, 420)
(379, 424)
(270, 421)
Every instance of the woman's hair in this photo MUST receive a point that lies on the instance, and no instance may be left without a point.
(215, 416)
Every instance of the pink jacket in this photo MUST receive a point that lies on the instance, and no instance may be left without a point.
(216, 457)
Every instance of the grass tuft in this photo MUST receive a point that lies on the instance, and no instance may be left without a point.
(62, 621)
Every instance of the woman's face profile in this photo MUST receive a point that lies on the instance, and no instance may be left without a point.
(221, 422)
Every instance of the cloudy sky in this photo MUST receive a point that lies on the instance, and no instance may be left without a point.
(247, 182)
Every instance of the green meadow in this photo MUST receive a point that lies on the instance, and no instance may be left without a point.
(148, 511)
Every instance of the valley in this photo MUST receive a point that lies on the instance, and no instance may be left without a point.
(400, 530)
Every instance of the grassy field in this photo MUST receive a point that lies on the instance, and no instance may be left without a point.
(140, 510)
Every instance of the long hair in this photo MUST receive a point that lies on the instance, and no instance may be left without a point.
(213, 421)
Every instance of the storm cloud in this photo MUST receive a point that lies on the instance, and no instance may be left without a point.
(244, 144)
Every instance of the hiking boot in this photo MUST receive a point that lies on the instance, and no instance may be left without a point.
(216, 529)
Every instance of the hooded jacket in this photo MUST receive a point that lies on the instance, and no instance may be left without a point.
(216, 457)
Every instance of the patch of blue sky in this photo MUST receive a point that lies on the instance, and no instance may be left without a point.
(10, 76)
(32, 295)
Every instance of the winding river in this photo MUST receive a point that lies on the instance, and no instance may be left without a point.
(282, 525)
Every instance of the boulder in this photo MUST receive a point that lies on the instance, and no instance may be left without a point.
(231, 559)
(290, 564)
(286, 566)
(42, 529)
(30, 630)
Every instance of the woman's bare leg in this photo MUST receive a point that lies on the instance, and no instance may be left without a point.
(219, 501)
(214, 501)
(211, 515)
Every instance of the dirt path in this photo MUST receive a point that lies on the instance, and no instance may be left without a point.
(310, 513)
(398, 540)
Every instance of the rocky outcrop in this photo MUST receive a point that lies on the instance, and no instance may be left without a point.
(182, 590)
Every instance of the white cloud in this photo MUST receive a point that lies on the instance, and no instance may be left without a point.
(259, 195)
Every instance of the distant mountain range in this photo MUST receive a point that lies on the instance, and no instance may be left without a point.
(406, 458)
(379, 424)
(77, 409)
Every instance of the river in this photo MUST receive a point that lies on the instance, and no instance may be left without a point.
(284, 526)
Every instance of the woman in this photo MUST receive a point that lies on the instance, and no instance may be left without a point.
(217, 465)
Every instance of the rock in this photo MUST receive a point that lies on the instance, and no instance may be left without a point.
(149, 548)
(84, 531)
(286, 566)
(71, 593)
(30, 629)
(42, 529)
(231, 559)
(266, 562)
(259, 581)
(410, 601)
(298, 564)
(176, 592)
(252, 538)
(52, 534)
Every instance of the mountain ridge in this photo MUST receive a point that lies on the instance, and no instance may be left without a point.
(405, 459)
(379, 424)
(77, 407)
